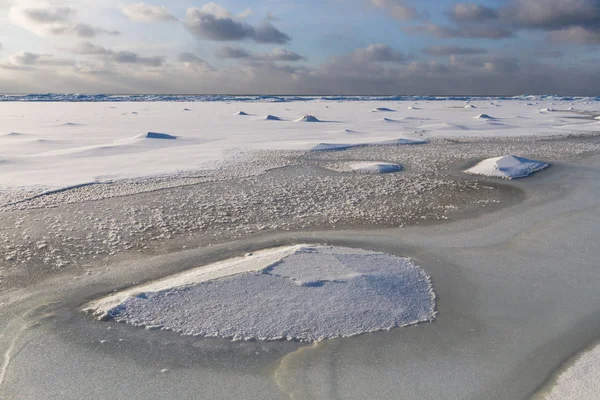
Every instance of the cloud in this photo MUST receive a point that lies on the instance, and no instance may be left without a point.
(44, 19)
(397, 9)
(554, 14)
(285, 55)
(452, 50)
(213, 22)
(378, 52)
(143, 12)
(470, 12)
(236, 52)
(129, 57)
(24, 60)
(575, 21)
(464, 31)
(120, 57)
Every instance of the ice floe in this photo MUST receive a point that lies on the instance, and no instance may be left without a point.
(301, 292)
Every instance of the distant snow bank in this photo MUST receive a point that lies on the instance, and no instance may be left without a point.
(507, 167)
(302, 292)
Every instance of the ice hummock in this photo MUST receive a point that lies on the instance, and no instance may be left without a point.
(507, 167)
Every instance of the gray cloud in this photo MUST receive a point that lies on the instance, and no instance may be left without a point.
(88, 31)
(217, 24)
(267, 33)
(27, 60)
(452, 50)
(397, 9)
(378, 52)
(120, 57)
(468, 12)
(566, 20)
(285, 55)
(464, 31)
(236, 52)
(554, 14)
(459, 75)
(143, 12)
(47, 20)
(129, 57)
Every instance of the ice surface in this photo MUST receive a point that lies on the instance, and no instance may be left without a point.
(302, 292)
(507, 167)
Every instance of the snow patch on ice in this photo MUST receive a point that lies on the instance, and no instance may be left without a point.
(374, 167)
(301, 292)
(346, 146)
(507, 167)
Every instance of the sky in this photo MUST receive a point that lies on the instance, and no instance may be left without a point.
(327, 47)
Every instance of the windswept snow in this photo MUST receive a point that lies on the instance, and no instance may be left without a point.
(302, 292)
(85, 142)
(507, 167)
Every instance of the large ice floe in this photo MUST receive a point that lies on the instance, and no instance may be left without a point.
(300, 292)
(507, 167)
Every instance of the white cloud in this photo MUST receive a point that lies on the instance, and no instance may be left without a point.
(143, 12)
(46, 19)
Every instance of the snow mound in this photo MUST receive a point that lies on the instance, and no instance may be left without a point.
(308, 118)
(13, 134)
(470, 106)
(156, 135)
(186, 109)
(483, 116)
(345, 146)
(243, 113)
(383, 109)
(303, 292)
(271, 118)
(546, 110)
(375, 167)
(507, 167)
(598, 118)
(412, 108)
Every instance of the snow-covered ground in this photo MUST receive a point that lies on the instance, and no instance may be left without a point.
(301, 292)
(62, 144)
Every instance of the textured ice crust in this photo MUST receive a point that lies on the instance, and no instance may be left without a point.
(507, 167)
(304, 292)
(580, 380)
